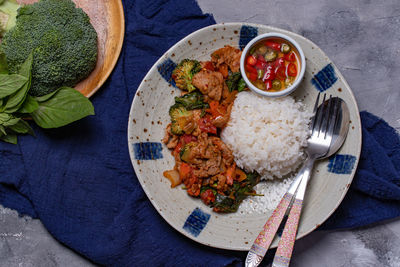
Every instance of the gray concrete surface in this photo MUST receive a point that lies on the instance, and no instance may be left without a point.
(362, 39)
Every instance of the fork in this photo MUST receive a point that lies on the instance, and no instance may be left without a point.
(321, 132)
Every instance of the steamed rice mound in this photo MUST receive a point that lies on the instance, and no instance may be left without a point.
(267, 135)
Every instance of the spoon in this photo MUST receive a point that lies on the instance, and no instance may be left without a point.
(328, 132)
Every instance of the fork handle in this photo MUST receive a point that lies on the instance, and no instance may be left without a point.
(266, 236)
(286, 243)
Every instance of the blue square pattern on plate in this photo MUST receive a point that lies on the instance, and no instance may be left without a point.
(246, 34)
(165, 69)
(341, 164)
(325, 78)
(147, 151)
(196, 222)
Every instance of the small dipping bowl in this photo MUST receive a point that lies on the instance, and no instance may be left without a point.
(301, 63)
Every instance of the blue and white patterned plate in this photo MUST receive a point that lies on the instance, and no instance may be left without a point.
(149, 117)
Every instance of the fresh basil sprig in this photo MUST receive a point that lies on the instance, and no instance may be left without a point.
(66, 105)
(57, 109)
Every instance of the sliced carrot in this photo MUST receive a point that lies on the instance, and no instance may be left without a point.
(184, 170)
(240, 175)
(230, 174)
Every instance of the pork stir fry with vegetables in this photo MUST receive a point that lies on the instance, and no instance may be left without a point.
(203, 163)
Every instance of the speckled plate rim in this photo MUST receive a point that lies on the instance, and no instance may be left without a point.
(270, 28)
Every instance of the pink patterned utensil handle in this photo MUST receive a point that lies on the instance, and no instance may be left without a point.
(286, 244)
(266, 236)
(264, 239)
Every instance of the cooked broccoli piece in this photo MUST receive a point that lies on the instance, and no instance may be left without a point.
(186, 153)
(8, 14)
(235, 81)
(181, 119)
(63, 42)
(184, 72)
(193, 100)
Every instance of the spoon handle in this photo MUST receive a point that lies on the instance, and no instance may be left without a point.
(286, 243)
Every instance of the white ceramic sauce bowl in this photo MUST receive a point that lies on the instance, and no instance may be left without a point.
(302, 61)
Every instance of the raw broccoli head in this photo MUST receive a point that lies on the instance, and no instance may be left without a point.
(184, 72)
(63, 42)
(181, 119)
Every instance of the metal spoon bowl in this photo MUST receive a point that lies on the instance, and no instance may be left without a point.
(341, 128)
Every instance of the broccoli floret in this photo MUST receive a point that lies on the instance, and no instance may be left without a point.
(184, 72)
(235, 81)
(181, 119)
(63, 42)
(8, 14)
(193, 100)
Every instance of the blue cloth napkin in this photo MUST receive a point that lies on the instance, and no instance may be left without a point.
(80, 183)
(374, 194)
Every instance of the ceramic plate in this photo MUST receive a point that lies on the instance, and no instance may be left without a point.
(107, 17)
(148, 118)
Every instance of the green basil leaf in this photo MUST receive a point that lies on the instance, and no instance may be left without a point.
(22, 127)
(66, 106)
(29, 106)
(241, 85)
(3, 64)
(11, 122)
(16, 100)
(4, 117)
(46, 97)
(9, 138)
(10, 83)
(2, 130)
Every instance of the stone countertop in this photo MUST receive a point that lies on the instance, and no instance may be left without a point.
(362, 39)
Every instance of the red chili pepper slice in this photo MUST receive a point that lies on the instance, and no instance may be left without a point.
(206, 125)
(292, 70)
(260, 65)
(281, 73)
(178, 148)
(187, 138)
(268, 85)
(261, 58)
(273, 45)
(209, 66)
(290, 57)
(269, 73)
(207, 196)
(280, 62)
(252, 76)
(251, 69)
(251, 60)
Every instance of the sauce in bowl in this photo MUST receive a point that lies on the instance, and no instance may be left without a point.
(272, 64)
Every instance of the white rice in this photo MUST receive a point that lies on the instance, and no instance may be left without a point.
(272, 191)
(267, 135)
